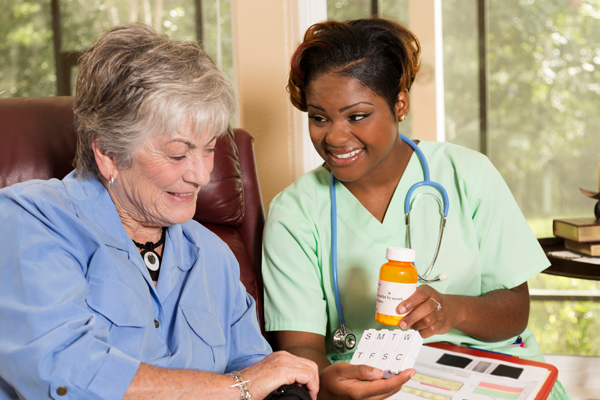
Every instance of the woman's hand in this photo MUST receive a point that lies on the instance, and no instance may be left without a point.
(346, 381)
(281, 368)
(426, 316)
(493, 316)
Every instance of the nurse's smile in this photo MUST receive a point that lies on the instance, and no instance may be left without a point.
(343, 158)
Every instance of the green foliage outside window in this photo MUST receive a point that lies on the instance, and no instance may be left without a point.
(566, 327)
(27, 66)
(83, 21)
(543, 90)
(26, 52)
(342, 10)
(543, 71)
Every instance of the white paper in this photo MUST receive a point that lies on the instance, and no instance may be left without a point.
(589, 260)
(569, 255)
(566, 254)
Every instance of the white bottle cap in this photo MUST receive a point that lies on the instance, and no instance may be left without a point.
(400, 254)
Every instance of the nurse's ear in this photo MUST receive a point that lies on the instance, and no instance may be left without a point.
(402, 107)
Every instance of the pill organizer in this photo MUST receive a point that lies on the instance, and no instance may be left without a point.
(392, 351)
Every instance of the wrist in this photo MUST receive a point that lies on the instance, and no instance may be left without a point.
(242, 384)
(456, 304)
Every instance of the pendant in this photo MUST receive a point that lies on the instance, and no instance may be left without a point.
(152, 261)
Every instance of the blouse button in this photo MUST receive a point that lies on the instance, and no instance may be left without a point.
(61, 391)
(156, 324)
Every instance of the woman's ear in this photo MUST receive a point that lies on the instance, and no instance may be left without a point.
(402, 106)
(105, 164)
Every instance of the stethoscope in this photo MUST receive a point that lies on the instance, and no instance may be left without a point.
(343, 339)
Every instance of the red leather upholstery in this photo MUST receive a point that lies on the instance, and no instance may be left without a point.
(251, 230)
(37, 138)
(221, 202)
(37, 141)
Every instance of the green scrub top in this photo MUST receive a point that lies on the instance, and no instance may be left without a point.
(487, 245)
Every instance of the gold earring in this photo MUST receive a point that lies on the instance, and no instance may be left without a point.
(401, 117)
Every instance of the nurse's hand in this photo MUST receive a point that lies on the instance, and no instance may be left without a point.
(430, 312)
(494, 316)
(345, 381)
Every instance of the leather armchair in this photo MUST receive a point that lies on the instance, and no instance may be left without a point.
(38, 141)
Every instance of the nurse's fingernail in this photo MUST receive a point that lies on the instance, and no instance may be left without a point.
(401, 310)
(402, 325)
(377, 373)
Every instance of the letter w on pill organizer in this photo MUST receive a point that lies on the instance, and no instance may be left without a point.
(392, 351)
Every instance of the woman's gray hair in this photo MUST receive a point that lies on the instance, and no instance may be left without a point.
(133, 83)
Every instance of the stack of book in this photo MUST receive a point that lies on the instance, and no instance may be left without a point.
(581, 235)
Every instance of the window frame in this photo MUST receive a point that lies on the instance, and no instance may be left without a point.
(65, 60)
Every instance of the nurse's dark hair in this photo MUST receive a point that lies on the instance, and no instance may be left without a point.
(382, 54)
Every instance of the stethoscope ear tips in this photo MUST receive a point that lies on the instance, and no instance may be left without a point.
(443, 277)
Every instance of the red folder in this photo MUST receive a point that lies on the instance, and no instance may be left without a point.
(546, 386)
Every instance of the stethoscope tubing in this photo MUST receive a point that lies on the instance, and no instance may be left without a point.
(426, 179)
(334, 274)
(407, 208)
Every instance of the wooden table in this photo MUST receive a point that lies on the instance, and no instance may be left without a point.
(568, 268)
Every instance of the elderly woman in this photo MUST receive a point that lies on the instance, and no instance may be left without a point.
(111, 290)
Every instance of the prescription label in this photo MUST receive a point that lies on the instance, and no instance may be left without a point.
(390, 294)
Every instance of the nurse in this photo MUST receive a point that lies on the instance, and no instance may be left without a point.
(353, 78)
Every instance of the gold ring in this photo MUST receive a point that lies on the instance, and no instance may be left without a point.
(438, 306)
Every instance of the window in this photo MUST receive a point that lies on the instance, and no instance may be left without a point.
(543, 69)
(342, 10)
(27, 55)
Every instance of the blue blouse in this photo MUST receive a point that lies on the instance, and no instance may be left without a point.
(78, 309)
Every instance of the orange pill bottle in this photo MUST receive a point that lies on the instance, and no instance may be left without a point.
(397, 281)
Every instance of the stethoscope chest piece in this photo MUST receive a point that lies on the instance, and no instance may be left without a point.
(344, 341)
